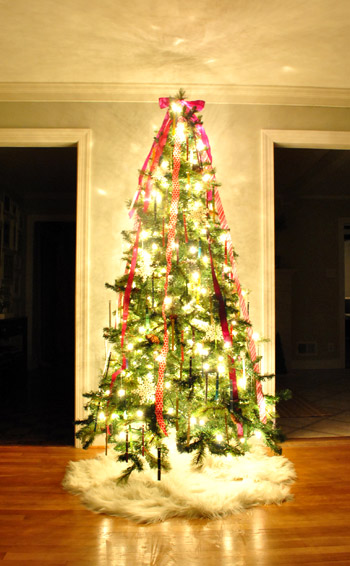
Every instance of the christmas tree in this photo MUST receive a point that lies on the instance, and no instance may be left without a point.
(181, 353)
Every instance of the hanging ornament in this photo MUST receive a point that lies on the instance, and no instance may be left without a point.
(214, 333)
(146, 389)
(153, 339)
(185, 228)
(199, 214)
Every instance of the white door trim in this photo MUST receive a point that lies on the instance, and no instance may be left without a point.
(294, 139)
(81, 138)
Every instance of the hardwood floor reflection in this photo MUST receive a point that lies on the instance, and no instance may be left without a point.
(41, 524)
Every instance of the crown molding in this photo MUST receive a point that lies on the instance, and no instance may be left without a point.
(149, 93)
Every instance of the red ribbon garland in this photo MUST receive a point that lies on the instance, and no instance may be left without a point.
(168, 254)
(225, 332)
(127, 295)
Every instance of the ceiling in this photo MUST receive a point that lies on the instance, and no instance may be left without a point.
(224, 42)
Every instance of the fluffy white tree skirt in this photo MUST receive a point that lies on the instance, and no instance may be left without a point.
(224, 486)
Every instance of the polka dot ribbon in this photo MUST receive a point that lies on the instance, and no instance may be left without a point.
(174, 206)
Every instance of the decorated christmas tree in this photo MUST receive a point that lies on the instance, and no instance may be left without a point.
(181, 351)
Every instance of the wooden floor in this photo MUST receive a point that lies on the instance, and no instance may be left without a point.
(40, 524)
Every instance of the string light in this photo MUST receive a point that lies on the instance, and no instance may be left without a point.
(193, 420)
(219, 437)
(102, 416)
(139, 414)
(177, 108)
(181, 131)
(121, 393)
(114, 416)
(167, 384)
(202, 422)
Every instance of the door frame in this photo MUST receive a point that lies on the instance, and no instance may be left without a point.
(313, 139)
(81, 138)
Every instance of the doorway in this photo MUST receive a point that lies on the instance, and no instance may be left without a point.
(41, 186)
(311, 197)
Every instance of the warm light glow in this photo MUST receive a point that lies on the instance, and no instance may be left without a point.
(221, 368)
(177, 108)
(200, 145)
(167, 385)
(199, 348)
(170, 411)
(198, 186)
(193, 420)
(193, 250)
(122, 435)
(101, 416)
(258, 434)
(202, 422)
(181, 131)
(167, 300)
(130, 346)
(256, 336)
(114, 416)
(206, 367)
(144, 234)
(164, 164)
(205, 259)
(219, 437)
(196, 276)
(206, 177)
(121, 392)
(154, 246)
(227, 344)
(142, 329)
(107, 392)
(139, 414)
(242, 383)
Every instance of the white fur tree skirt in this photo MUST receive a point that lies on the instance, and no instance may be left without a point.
(224, 486)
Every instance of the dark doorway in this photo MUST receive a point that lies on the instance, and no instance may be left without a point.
(38, 363)
(311, 199)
